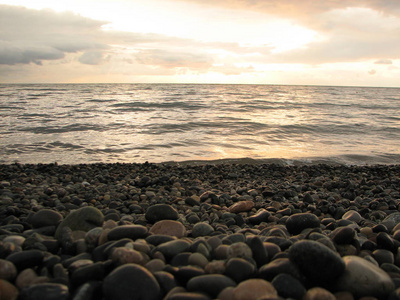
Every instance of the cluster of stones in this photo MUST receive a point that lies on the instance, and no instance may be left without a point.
(146, 231)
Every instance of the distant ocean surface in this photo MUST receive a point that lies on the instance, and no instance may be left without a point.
(134, 123)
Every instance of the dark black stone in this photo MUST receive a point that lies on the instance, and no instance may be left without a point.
(239, 269)
(160, 212)
(131, 281)
(288, 287)
(316, 261)
(45, 291)
(260, 254)
(211, 284)
(26, 259)
(298, 222)
(127, 231)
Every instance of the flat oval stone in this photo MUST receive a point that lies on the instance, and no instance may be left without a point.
(160, 212)
(241, 206)
(129, 281)
(26, 259)
(316, 261)
(133, 232)
(362, 278)
(352, 215)
(188, 296)
(45, 291)
(211, 284)
(45, 217)
(172, 248)
(296, 223)
(83, 219)
(253, 289)
(169, 227)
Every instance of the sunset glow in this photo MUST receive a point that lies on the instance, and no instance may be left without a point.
(189, 41)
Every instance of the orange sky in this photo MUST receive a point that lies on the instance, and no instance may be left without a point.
(343, 42)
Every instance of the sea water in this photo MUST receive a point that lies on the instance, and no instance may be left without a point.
(134, 123)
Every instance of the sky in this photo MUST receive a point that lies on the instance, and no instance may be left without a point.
(313, 42)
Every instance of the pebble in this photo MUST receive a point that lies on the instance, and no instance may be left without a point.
(45, 217)
(363, 278)
(160, 212)
(353, 216)
(83, 219)
(8, 291)
(240, 250)
(212, 284)
(130, 280)
(127, 231)
(239, 269)
(202, 229)
(288, 287)
(26, 259)
(318, 293)
(174, 224)
(316, 261)
(241, 206)
(172, 248)
(253, 289)
(296, 223)
(7, 270)
(45, 291)
(169, 227)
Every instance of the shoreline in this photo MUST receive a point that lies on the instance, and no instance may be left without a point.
(206, 231)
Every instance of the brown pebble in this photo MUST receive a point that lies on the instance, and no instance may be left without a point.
(7, 270)
(227, 293)
(169, 227)
(122, 255)
(8, 291)
(344, 296)
(241, 206)
(253, 289)
(318, 293)
(215, 267)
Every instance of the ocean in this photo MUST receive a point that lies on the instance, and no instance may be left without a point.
(135, 123)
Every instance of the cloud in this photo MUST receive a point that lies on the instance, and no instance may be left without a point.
(384, 62)
(91, 58)
(174, 59)
(372, 72)
(34, 36)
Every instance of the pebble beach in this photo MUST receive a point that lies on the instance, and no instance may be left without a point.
(199, 231)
